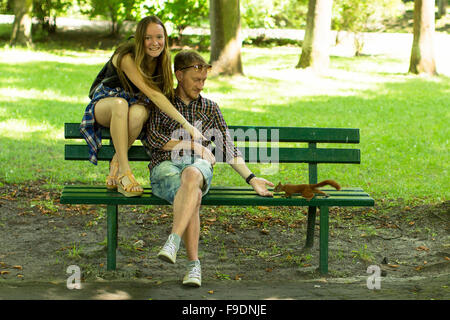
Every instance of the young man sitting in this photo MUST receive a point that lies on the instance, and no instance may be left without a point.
(181, 170)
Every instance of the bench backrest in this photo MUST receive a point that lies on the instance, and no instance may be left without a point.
(263, 145)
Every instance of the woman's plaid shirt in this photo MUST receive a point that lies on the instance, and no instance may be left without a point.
(204, 114)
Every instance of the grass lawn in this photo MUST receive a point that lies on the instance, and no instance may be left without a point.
(404, 119)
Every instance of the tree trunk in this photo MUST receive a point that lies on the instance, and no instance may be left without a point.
(226, 43)
(21, 33)
(442, 8)
(422, 52)
(315, 48)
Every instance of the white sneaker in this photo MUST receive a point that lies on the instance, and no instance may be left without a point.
(169, 252)
(193, 276)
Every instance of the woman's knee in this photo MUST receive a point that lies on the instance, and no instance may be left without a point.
(137, 115)
(106, 108)
(120, 107)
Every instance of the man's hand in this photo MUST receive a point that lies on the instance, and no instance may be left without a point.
(205, 153)
(259, 185)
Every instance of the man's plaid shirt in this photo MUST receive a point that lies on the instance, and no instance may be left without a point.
(204, 114)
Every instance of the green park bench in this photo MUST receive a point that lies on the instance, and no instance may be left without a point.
(236, 196)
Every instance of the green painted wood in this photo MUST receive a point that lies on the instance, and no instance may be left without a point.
(323, 250)
(311, 225)
(111, 236)
(104, 196)
(251, 154)
(213, 188)
(259, 133)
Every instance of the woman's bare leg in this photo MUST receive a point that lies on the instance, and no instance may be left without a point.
(113, 113)
(137, 115)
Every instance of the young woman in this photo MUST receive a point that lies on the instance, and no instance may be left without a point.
(137, 76)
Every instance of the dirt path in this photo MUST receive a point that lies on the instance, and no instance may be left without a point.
(245, 254)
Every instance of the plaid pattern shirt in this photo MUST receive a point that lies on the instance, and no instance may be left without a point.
(204, 114)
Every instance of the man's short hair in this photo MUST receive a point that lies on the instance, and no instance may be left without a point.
(187, 58)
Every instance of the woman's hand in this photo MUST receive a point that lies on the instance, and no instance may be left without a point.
(196, 135)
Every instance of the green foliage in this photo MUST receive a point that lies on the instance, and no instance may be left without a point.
(362, 15)
(274, 13)
(117, 11)
(46, 12)
(6, 7)
(179, 14)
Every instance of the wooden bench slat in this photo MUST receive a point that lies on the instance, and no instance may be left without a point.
(95, 188)
(92, 195)
(257, 133)
(213, 191)
(251, 154)
(85, 198)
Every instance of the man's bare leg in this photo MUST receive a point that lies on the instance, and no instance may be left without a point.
(186, 222)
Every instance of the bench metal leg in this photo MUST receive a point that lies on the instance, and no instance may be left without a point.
(310, 228)
(111, 221)
(323, 262)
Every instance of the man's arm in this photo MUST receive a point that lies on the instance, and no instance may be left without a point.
(202, 151)
(258, 184)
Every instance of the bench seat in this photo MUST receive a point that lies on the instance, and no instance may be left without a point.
(228, 196)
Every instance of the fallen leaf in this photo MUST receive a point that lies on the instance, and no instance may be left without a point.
(393, 265)
(20, 276)
(264, 231)
(269, 269)
(17, 267)
(418, 268)
(263, 208)
(422, 248)
(447, 258)
(411, 223)
(211, 291)
(4, 272)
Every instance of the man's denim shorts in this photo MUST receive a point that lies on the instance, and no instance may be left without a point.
(166, 177)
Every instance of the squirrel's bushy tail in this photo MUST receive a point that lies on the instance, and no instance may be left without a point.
(328, 182)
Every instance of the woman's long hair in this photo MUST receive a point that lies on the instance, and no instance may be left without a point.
(162, 78)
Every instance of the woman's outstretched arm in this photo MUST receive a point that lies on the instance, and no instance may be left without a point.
(156, 96)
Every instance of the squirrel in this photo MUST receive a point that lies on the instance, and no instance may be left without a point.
(306, 190)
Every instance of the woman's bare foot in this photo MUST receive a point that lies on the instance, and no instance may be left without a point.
(111, 182)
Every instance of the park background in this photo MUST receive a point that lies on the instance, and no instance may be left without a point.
(403, 116)
(367, 83)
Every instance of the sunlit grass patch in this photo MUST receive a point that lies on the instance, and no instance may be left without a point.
(402, 118)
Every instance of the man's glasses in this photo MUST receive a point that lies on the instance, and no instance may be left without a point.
(199, 67)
